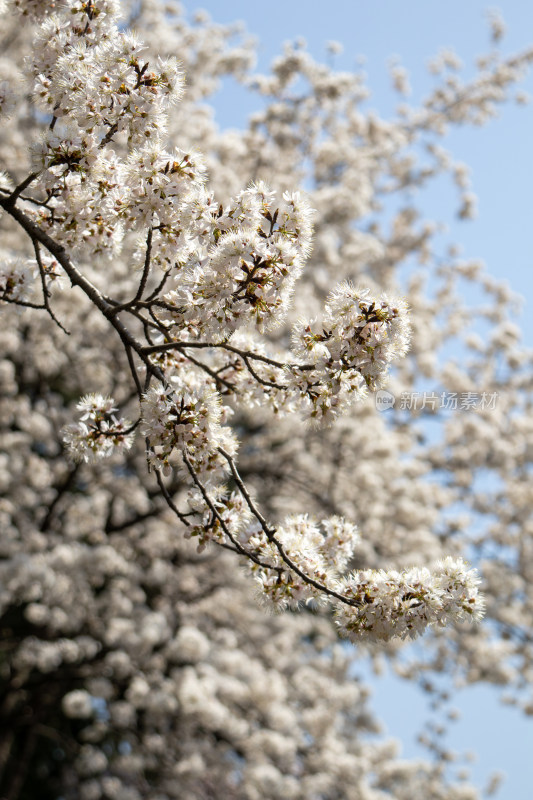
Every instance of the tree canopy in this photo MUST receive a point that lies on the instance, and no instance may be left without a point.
(196, 359)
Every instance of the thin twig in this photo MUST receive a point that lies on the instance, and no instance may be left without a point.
(117, 307)
(46, 291)
(213, 374)
(159, 287)
(242, 550)
(171, 504)
(133, 370)
(270, 534)
(224, 345)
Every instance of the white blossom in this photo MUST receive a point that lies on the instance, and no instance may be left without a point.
(77, 704)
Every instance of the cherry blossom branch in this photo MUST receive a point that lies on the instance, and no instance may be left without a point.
(270, 534)
(176, 345)
(240, 549)
(77, 279)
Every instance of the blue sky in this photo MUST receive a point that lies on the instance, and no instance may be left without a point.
(500, 156)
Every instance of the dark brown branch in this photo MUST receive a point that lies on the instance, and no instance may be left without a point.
(133, 370)
(224, 345)
(146, 268)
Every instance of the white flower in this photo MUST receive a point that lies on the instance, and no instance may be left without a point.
(77, 704)
(15, 279)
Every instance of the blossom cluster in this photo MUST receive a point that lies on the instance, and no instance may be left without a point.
(245, 269)
(98, 433)
(374, 604)
(407, 601)
(91, 77)
(86, 69)
(360, 336)
(185, 419)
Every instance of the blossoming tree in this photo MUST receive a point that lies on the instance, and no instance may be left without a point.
(183, 377)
